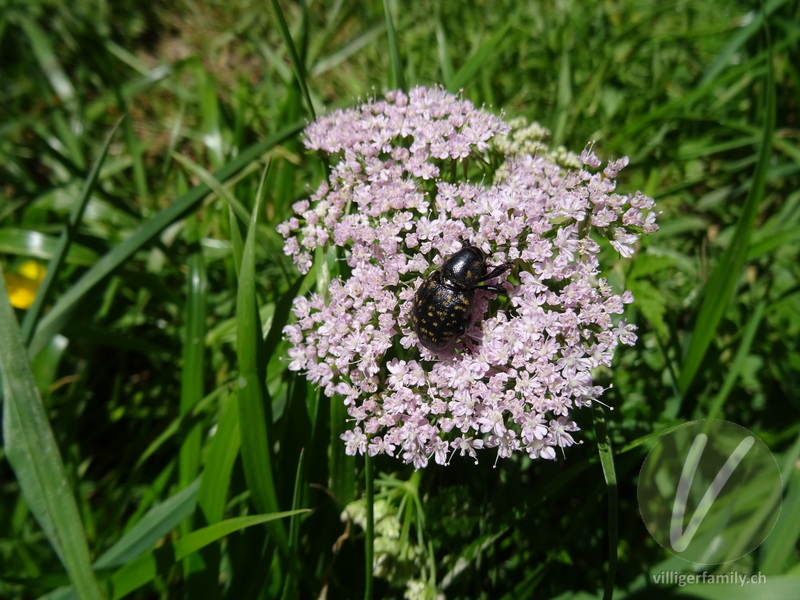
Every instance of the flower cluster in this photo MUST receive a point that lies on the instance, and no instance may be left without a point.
(418, 176)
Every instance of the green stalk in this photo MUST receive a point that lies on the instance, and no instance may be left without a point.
(369, 541)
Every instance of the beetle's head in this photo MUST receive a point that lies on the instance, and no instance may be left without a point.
(465, 268)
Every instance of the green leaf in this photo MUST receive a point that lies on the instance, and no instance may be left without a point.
(396, 78)
(154, 525)
(478, 59)
(216, 186)
(210, 111)
(746, 32)
(216, 477)
(215, 484)
(298, 65)
(62, 310)
(649, 439)
(773, 242)
(193, 373)
(722, 284)
(652, 303)
(251, 389)
(443, 51)
(64, 243)
(714, 407)
(34, 244)
(158, 562)
(360, 41)
(780, 548)
(41, 44)
(31, 450)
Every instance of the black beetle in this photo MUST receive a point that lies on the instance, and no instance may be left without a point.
(443, 302)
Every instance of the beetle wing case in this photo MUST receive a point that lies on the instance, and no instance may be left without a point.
(440, 314)
(443, 301)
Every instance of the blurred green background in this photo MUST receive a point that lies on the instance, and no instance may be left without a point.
(162, 296)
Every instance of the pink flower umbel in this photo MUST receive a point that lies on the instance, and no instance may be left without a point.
(418, 177)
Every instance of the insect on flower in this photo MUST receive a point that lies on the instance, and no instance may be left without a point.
(443, 302)
(394, 201)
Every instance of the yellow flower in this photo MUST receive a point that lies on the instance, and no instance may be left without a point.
(23, 284)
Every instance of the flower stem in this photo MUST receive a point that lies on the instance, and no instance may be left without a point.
(369, 548)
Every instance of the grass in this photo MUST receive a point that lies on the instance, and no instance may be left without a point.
(154, 442)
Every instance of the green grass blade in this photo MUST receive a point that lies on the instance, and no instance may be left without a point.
(779, 550)
(27, 242)
(215, 484)
(396, 78)
(237, 244)
(154, 525)
(714, 410)
(773, 242)
(281, 317)
(364, 39)
(722, 284)
(58, 316)
(148, 566)
(478, 59)
(64, 242)
(216, 186)
(298, 498)
(193, 372)
(649, 439)
(41, 44)
(442, 47)
(684, 103)
(297, 64)
(734, 46)
(254, 415)
(202, 537)
(31, 450)
(136, 147)
(564, 99)
(216, 478)
(178, 425)
(210, 111)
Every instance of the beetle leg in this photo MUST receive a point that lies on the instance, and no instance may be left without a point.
(498, 270)
(497, 289)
